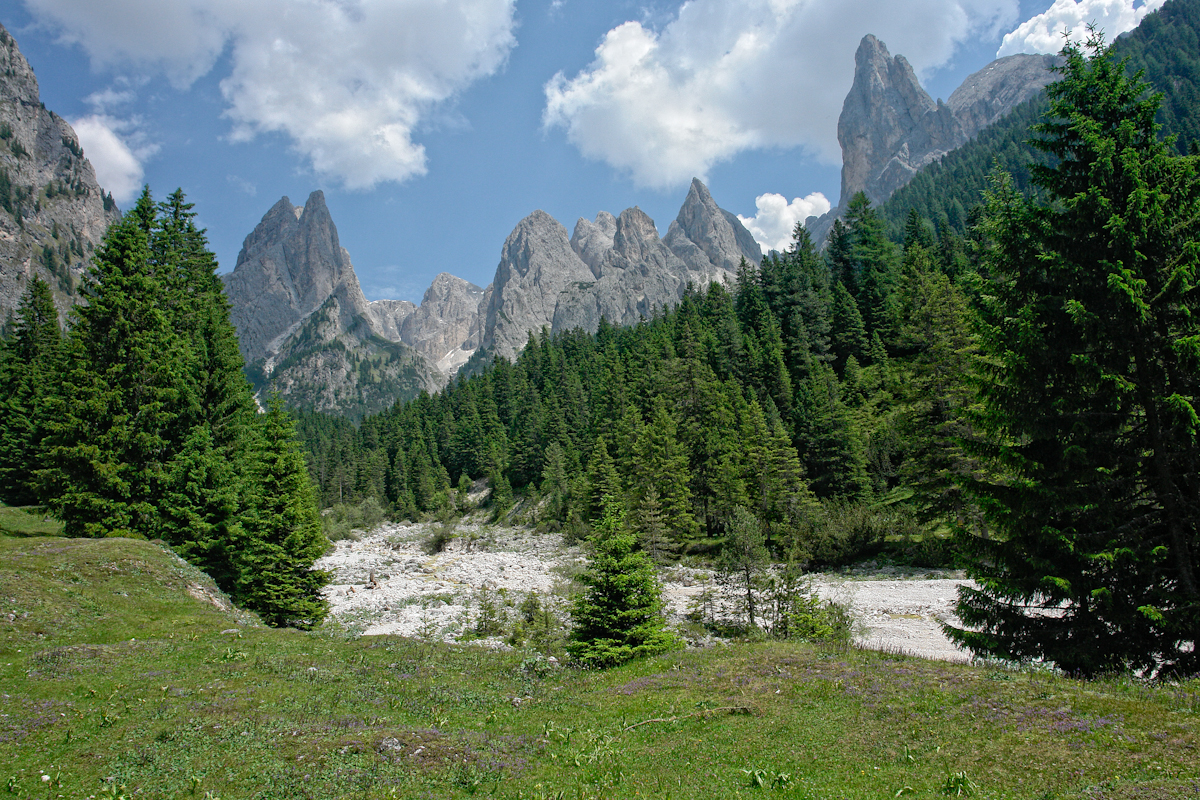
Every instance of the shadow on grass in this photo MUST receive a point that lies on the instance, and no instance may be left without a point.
(28, 521)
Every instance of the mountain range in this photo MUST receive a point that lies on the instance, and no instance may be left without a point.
(306, 327)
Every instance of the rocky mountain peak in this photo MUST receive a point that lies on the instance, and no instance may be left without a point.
(17, 81)
(55, 213)
(288, 267)
(889, 126)
(591, 240)
(537, 263)
(719, 235)
(635, 236)
(987, 95)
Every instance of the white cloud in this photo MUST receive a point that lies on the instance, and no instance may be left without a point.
(723, 76)
(772, 226)
(346, 80)
(117, 151)
(1044, 33)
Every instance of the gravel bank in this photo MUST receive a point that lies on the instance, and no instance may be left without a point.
(387, 582)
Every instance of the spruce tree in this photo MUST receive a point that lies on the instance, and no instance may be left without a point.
(281, 531)
(1089, 385)
(30, 361)
(618, 616)
(120, 415)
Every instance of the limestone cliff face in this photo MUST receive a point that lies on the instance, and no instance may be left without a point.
(614, 267)
(536, 265)
(304, 324)
(445, 329)
(708, 239)
(890, 127)
(52, 212)
(987, 95)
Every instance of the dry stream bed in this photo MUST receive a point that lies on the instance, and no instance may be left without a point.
(387, 582)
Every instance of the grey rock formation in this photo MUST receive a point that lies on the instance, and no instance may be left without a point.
(987, 95)
(615, 267)
(708, 239)
(536, 265)
(446, 327)
(52, 212)
(591, 240)
(890, 127)
(303, 322)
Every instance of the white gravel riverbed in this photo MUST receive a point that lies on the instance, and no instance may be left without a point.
(386, 582)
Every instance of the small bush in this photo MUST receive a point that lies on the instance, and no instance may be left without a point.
(843, 532)
(340, 521)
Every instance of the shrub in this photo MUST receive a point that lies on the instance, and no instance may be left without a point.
(340, 521)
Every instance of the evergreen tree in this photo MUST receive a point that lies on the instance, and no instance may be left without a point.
(282, 531)
(29, 366)
(1089, 387)
(120, 415)
(618, 616)
(743, 557)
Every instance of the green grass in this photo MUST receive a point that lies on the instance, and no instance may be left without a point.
(116, 680)
(30, 521)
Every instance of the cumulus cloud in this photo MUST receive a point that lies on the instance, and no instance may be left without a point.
(1044, 33)
(346, 80)
(117, 151)
(723, 76)
(772, 226)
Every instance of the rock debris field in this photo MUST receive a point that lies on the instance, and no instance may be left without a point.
(391, 581)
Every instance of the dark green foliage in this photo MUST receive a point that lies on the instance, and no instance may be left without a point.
(29, 364)
(282, 531)
(144, 425)
(1088, 387)
(619, 615)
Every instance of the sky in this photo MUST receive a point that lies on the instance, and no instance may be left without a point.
(435, 126)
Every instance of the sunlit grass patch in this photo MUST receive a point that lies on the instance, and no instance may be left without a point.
(124, 675)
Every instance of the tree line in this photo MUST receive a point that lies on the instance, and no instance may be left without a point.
(138, 421)
(1030, 387)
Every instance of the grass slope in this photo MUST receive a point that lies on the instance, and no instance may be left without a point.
(121, 675)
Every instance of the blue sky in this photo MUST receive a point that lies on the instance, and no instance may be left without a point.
(434, 126)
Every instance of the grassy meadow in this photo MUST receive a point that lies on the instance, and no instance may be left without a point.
(123, 673)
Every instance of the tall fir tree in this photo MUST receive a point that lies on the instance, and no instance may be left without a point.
(282, 534)
(1089, 385)
(30, 361)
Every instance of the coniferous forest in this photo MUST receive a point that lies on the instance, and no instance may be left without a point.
(140, 422)
(1019, 398)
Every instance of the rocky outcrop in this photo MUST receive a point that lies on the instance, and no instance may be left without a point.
(288, 267)
(616, 268)
(446, 327)
(987, 95)
(305, 325)
(536, 265)
(53, 214)
(890, 127)
(708, 239)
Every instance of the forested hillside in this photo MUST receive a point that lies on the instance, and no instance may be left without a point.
(1166, 46)
(777, 395)
(1032, 387)
(139, 422)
